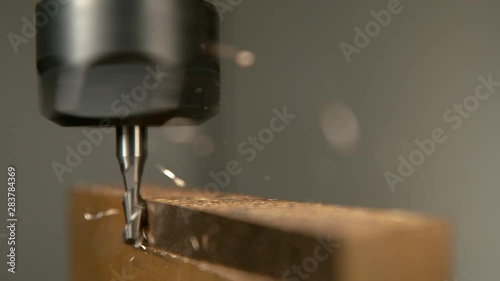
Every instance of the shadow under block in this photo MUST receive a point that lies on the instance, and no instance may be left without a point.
(197, 236)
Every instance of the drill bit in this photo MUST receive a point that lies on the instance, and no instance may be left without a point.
(90, 52)
(131, 153)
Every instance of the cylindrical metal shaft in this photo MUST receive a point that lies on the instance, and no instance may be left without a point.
(131, 152)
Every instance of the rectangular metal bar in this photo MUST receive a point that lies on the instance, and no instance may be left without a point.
(193, 236)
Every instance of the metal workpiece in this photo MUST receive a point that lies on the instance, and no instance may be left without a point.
(131, 153)
(271, 239)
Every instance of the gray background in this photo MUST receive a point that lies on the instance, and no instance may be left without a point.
(395, 91)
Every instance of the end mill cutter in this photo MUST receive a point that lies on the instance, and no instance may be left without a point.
(131, 154)
(90, 53)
